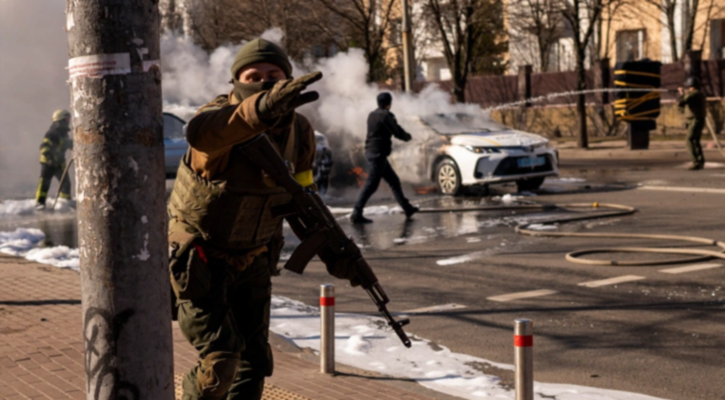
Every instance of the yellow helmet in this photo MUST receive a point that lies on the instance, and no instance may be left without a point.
(60, 115)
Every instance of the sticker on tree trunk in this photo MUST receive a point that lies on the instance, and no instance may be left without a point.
(99, 65)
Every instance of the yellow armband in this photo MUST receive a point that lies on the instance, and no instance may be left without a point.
(305, 178)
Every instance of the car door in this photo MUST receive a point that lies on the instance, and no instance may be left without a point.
(175, 144)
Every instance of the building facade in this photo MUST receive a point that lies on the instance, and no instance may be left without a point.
(627, 30)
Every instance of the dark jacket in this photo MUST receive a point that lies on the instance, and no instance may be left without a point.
(55, 143)
(693, 104)
(382, 126)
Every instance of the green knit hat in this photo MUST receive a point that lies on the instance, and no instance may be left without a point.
(261, 51)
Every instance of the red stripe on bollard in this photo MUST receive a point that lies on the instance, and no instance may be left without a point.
(327, 301)
(523, 341)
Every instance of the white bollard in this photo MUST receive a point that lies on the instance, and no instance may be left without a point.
(524, 359)
(327, 329)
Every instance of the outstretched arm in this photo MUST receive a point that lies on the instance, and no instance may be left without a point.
(392, 124)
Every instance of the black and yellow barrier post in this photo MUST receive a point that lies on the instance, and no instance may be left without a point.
(638, 108)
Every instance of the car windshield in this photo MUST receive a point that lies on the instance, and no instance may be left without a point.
(173, 127)
(460, 123)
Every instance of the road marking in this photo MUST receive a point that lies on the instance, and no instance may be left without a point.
(690, 268)
(612, 281)
(522, 295)
(442, 307)
(683, 189)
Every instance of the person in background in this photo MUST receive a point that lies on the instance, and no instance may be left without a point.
(52, 158)
(382, 126)
(322, 169)
(692, 103)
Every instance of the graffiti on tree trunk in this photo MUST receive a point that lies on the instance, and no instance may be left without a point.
(101, 353)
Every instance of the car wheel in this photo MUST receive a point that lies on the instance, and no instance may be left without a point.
(448, 177)
(529, 184)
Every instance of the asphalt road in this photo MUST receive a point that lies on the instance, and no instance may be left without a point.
(660, 335)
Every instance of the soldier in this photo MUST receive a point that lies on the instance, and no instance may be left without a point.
(224, 239)
(382, 126)
(693, 103)
(52, 158)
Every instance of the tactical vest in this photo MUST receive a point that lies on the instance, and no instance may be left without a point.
(233, 211)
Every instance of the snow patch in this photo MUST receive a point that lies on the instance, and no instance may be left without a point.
(566, 179)
(509, 198)
(59, 256)
(461, 259)
(367, 343)
(541, 227)
(369, 210)
(24, 242)
(17, 208)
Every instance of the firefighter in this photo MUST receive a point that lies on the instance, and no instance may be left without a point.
(692, 103)
(224, 240)
(382, 127)
(52, 158)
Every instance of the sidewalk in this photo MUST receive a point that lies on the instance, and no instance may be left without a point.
(674, 150)
(41, 348)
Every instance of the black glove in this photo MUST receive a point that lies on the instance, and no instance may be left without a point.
(340, 267)
(287, 95)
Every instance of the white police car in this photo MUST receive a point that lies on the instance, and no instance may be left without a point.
(459, 150)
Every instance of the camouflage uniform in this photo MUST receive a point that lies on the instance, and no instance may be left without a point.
(225, 242)
(693, 104)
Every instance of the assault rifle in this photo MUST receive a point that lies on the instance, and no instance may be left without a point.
(316, 227)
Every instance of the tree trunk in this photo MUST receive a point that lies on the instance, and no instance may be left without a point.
(581, 110)
(673, 37)
(116, 103)
(459, 89)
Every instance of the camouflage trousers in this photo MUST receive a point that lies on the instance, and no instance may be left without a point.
(694, 133)
(229, 327)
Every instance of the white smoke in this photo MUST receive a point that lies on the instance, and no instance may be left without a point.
(191, 77)
(33, 60)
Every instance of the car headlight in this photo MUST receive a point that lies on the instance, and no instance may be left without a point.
(483, 149)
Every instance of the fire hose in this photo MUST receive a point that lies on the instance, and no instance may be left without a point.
(613, 210)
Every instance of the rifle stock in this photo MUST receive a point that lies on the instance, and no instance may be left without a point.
(316, 226)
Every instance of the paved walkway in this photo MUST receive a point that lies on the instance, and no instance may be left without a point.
(41, 348)
(674, 150)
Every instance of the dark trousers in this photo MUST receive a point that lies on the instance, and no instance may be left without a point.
(232, 318)
(694, 133)
(47, 172)
(380, 169)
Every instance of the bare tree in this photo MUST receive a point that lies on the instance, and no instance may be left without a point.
(600, 47)
(688, 8)
(539, 21)
(368, 23)
(308, 30)
(582, 17)
(467, 30)
(669, 8)
(171, 18)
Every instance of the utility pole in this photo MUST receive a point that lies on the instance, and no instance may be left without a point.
(407, 49)
(116, 106)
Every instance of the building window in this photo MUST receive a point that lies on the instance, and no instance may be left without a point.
(631, 45)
